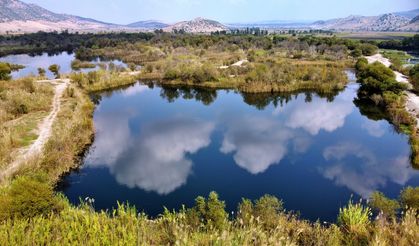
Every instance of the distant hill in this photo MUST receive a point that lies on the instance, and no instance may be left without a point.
(149, 25)
(17, 16)
(385, 22)
(198, 25)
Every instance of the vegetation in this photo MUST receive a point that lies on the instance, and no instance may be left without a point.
(23, 103)
(207, 223)
(406, 44)
(77, 65)
(55, 69)
(414, 77)
(7, 68)
(379, 86)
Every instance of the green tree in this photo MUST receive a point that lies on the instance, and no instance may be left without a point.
(55, 69)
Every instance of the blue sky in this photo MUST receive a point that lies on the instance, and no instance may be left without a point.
(227, 11)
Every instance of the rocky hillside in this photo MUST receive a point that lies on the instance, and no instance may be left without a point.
(386, 22)
(198, 25)
(18, 17)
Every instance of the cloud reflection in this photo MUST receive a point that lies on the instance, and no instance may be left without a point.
(365, 176)
(156, 160)
(256, 142)
(319, 115)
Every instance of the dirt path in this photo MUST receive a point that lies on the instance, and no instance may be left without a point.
(44, 129)
(412, 100)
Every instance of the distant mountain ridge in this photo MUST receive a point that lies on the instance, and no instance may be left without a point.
(385, 22)
(19, 17)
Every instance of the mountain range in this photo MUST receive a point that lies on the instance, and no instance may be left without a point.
(19, 17)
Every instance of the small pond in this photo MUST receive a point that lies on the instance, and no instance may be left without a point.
(161, 146)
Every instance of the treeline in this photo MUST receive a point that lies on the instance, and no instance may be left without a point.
(407, 44)
(53, 42)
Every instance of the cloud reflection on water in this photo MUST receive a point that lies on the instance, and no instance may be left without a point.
(156, 159)
(367, 175)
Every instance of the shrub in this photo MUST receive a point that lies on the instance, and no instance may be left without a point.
(268, 208)
(5, 71)
(208, 212)
(380, 203)
(55, 69)
(354, 218)
(409, 197)
(368, 49)
(27, 197)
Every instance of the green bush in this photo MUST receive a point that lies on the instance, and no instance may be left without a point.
(414, 76)
(409, 197)
(27, 197)
(5, 71)
(368, 49)
(380, 203)
(266, 210)
(354, 218)
(208, 212)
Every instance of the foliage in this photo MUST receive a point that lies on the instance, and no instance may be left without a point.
(27, 197)
(210, 212)
(354, 219)
(41, 72)
(409, 198)
(376, 78)
(414, 77)
(55, 69)
(77, 64)
(5, 71)
(380, 203)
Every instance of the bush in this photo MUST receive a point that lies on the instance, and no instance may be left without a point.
(380, 203)
(414, 77)
(368, 49)
(266, 210)
(5, 71)
(354, 218)
(208, 212)
(409, 198)
(27, 197)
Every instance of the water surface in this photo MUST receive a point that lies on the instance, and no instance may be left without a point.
(33, 62)
(158, 147)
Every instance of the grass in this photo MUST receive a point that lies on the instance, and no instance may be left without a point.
(262, 222)
(23, 105)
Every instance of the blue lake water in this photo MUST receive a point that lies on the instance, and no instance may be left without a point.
(158, 147)
(32, 63)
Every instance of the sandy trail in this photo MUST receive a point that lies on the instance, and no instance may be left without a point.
(237, 64)
(412, 100)
(44, 129)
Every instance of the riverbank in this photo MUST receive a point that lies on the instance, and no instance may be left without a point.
(397, 101)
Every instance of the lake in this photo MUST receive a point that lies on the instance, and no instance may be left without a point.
(161, 147)
(32, 63)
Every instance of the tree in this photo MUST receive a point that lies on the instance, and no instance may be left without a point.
(41, 72)
(5, 71)
(55, 69)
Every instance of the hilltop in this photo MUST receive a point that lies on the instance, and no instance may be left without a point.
(198, 25)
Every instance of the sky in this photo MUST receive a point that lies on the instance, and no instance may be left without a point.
(226, 11)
